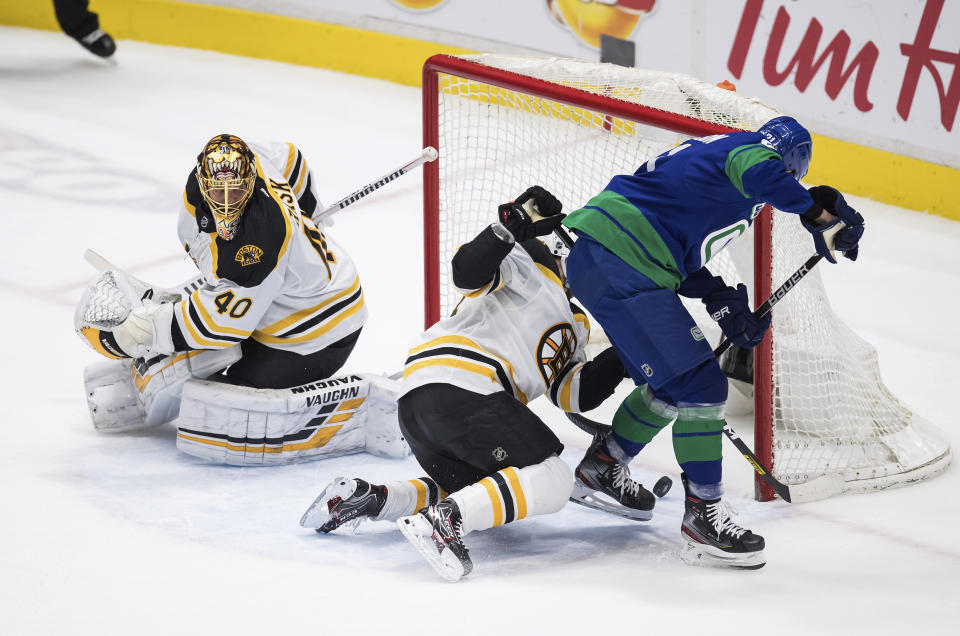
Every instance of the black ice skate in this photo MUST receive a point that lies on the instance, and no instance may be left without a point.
(436, 533)
(603, 483)
(99, 43)
(344, 501)
(713, 538)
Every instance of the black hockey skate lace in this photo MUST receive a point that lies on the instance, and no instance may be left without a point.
(719, 515)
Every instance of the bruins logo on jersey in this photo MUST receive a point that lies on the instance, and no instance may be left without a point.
(556, 348)
(248, 255)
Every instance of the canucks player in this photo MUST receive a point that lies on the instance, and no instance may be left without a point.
(646, 239)
(467, 380)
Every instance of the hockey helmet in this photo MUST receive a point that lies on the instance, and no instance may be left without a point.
(791, 141)
(226, 172)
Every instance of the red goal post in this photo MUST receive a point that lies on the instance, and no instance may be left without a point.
(502, 123)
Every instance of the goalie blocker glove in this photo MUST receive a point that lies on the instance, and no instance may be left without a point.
(826, 237)
(517, 217)
(730, 308)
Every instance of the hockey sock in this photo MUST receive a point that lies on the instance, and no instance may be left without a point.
(640, 417)
(697, 437)
(405, 498)
(514, 493)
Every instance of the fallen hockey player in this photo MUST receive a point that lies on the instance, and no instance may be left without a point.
(467, 380)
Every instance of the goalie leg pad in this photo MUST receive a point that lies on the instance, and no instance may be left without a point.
(112, 396)
(244, 426)
(125, 395)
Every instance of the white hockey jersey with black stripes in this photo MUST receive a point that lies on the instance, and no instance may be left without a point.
(280, 280)
(518, 333)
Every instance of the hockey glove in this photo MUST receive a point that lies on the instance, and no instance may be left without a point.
(536, 212)
(731, 309)
(827, 237)
(147, 328)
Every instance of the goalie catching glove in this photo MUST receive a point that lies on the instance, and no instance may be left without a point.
(112, 321)
(841, 234)
(536, 212)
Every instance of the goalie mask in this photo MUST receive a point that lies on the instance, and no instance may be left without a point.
(226, 173)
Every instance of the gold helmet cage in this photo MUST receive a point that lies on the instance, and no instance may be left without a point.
(226, 172)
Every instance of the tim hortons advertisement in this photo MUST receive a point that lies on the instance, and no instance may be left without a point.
(882, 74)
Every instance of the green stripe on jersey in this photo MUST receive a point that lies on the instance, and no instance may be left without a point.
(741, 159)
(622, 228)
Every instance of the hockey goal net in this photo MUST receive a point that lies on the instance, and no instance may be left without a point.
(502, 123)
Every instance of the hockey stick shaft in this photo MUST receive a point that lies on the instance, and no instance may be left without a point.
(101, 264)
(781, 489)
(819, 488)
(428, 154)
(776, 296)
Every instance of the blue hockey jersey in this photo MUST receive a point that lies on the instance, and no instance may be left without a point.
(679, 209)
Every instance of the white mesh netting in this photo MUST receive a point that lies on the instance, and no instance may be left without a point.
(832, 413)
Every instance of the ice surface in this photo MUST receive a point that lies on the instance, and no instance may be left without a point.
(124, 535)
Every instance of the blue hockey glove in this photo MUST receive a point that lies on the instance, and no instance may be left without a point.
(848, 238)
(731, 309)
(516, 218)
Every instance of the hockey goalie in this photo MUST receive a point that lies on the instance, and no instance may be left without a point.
(245, 355)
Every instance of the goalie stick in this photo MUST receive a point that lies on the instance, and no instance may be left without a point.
(428, 154)
(159, 294)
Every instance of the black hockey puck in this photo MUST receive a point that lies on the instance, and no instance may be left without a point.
(662, 487)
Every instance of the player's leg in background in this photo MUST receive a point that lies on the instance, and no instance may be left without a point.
(83, 25)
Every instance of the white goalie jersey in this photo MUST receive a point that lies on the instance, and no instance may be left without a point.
(518, 333)
(279, 280)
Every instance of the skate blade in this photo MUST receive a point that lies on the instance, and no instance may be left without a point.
(591, 499)
(419, 532)
(709, 556)
(319, 513)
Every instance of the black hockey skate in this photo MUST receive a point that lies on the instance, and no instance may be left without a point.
(436, 533)
(603, 483)
(99, 43)
(714, 538)
(344, 501)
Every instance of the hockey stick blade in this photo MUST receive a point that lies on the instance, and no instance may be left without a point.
(98, 262)
(822, 487)
(427, 154)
